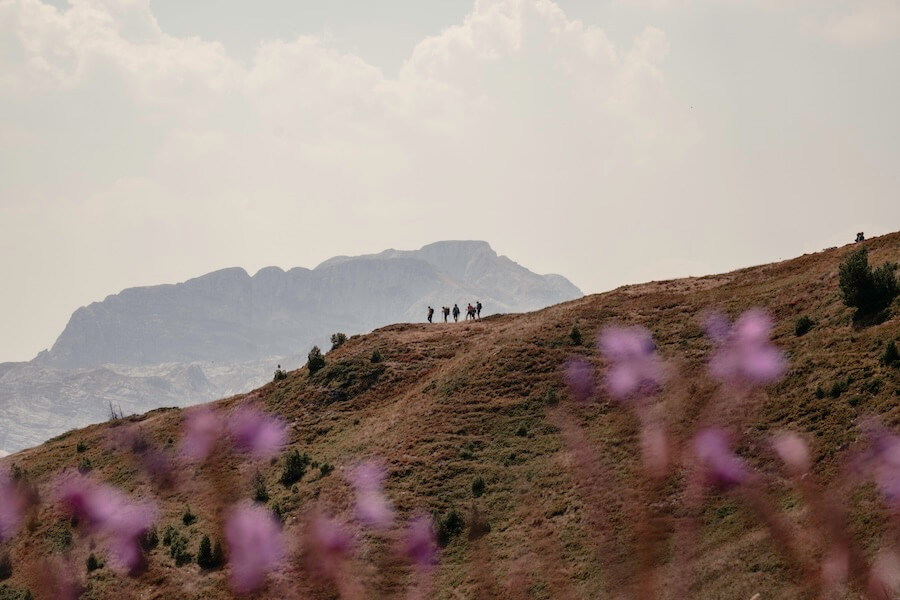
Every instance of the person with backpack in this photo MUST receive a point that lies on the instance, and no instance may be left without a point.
(430, 314)
(455, 313)
(446, 311)
(470, 312)
(478, 308)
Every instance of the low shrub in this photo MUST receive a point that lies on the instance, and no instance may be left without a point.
(337, 340)
(294, 469)
(803, 325)
(187, 517)
(260, 493)
(575, 336)
(890, 357)
(93, 563)
(478, 487)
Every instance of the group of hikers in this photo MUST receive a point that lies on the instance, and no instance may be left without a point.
(860, 237)
(473, 311)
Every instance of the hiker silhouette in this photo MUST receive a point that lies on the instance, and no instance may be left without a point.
(455, 313)
(430, 314)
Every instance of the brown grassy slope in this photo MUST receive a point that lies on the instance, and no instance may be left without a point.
(453, 402)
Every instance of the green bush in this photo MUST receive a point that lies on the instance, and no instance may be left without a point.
(314, 360)
(890, 356)
(187, 517)
(93, 564)
(337, 340)
(376, 356)
(278, 512)
(260, 493)
(803, 325)
(449, 527)
(295, 465)
(522, 431)
(81, 447)
(477, 487)
(178, 550)
(169, 535)
(325, 470)
(279, 374)
(550, 397)
(209, 557)
(150, 539)
(820, 393)
(85, 466)
(575, 336)
(868, 291)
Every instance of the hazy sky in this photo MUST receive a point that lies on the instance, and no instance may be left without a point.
(611, 141)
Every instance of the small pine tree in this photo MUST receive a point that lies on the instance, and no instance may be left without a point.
(890, 356)
(337, 340)
(376, 356)
(868, 291)
(218, 554)
(575, 336)
(205, 554)
(6, 566)
(187, 517)
(294, 467)
(478, 487)
(150, 539)
(314, 360)
(92, 563)
(260, 493)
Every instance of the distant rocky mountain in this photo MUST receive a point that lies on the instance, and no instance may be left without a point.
(224, 332)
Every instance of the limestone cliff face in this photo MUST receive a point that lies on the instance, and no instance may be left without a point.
(224, 332)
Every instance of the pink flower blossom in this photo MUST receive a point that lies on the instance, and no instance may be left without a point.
(580, 379)
(255, 546)
(12, 505)
(634, 369)
(744, 353)
(724, 468)
(329, 544)
(254, 432)
(420, 545)
(792, 450)
(105, 510)
(202, 430)
(372, 508)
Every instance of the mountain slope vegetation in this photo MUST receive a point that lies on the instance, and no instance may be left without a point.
(446, 405)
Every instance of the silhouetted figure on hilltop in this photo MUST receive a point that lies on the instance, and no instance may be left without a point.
(478, 308)
(446, 312)
(470, 312)
(860, 237)
(455, 313)
(430, 314)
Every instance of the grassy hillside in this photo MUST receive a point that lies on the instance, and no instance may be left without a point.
(451, 403)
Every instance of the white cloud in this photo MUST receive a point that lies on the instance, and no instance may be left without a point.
(863, 22)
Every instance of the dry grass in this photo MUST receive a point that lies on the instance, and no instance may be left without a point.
(449, 403)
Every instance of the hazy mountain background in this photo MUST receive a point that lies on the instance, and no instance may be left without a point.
(224, 332)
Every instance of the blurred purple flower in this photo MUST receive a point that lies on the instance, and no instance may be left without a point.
(744, 353)
(580, 379)
(330, 543)
(793, 451)
(12, 505)
(634, 369)
(259, 434)
(372, 508)
(254, 546)
(202, 430)
(723, 467)
(104, 509)
(420, 545)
